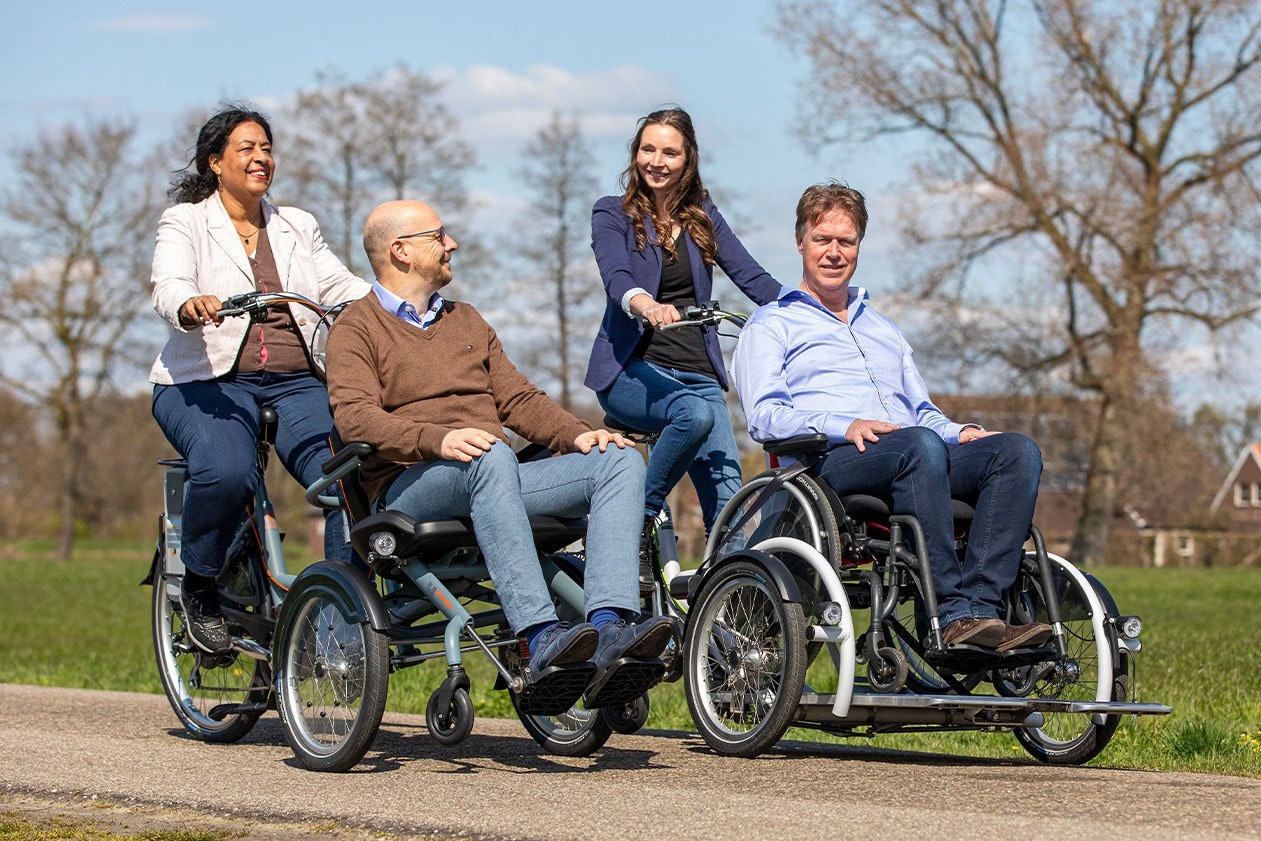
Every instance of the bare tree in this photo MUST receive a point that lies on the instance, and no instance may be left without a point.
(1226, 434)
(557, 281)
(353, 144)
(73, 278)
(1098, 155)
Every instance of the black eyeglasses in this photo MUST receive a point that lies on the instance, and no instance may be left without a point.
(440, 232)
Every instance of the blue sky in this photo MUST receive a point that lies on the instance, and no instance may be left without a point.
(506, 65)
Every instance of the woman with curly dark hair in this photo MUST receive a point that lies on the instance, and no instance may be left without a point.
(656, 246)
(222, 237)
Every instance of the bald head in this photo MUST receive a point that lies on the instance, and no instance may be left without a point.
(390, 220)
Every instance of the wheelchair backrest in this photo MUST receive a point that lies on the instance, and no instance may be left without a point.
(357, 503)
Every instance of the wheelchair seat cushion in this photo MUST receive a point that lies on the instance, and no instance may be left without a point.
(436, 537)
(864, 508)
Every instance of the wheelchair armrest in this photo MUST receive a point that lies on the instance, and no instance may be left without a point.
(353, 450)
(811, 442)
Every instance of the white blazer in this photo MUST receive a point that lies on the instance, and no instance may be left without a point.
(198, 252)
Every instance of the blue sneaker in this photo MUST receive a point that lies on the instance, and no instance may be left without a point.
(617, 640)
(628, 661)
(563, 644)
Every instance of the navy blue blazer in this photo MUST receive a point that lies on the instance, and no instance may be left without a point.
(622, 269)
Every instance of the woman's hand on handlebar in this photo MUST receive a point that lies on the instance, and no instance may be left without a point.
(200, 311)
(655, 314)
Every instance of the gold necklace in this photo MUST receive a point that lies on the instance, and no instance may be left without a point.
(245, 237)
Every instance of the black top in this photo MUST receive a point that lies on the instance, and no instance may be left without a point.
(682, 348)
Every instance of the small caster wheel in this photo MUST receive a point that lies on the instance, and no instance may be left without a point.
(627, 718)
(887, 670)
(452, 725)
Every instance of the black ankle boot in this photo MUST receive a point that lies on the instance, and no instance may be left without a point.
(199, 596)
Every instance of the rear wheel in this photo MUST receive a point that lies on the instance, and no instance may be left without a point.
(332, 675)
(746, 661)
(217, 697)
(1086, 674)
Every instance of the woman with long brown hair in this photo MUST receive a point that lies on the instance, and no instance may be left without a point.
(656, 246)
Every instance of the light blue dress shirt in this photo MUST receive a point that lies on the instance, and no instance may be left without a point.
(404, 309)
(799, 369)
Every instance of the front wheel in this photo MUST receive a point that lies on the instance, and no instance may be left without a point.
(452, 725)
(216, 697)
(1087, 673)
(332, 675)
(746, 661)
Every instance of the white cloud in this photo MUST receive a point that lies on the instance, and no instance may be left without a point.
(498, 105)
(155, 23)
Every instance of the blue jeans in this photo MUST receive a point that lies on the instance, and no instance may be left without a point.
(214, 426)
(500, 494)
(690, 412)
(998, 475)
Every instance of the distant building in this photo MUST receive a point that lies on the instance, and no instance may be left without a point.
(1239, 497)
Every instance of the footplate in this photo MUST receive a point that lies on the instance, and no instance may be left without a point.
(624, 680)
(891, 711)
(966, 659)
(555, 689)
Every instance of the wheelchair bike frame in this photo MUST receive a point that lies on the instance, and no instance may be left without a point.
(319, 646)
(787, 566)
(431, 602)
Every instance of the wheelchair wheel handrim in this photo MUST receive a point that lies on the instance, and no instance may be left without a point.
(787, 513)
(741, 675)
(325, 679)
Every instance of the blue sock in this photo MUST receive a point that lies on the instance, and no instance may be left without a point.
(533, 633)
(607, 615)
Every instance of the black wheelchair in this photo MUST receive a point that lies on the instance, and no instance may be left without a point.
(792, 571)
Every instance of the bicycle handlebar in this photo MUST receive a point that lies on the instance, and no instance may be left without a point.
(255, 304)
(704, 314)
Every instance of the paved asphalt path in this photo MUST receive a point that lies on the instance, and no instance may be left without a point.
(128, 749)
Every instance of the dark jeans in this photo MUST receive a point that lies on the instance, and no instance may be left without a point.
(214, 426)
(690, 412)
(998, 475)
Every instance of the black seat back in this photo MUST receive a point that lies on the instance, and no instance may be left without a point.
(357, 503)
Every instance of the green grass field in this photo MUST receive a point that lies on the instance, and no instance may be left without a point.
(85, 623)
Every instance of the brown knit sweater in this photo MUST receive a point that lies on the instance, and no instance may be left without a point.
(402, 389)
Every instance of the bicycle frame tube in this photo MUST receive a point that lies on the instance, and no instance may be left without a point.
(264, 518)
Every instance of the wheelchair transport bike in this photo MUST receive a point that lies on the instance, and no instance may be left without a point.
(319, 646)
(792, 571)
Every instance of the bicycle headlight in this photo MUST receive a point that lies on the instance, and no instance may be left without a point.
(383, 543)
(830, 613)
(1130, 626)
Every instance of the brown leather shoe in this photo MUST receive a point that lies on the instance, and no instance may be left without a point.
(986, 633)
(1025, 636)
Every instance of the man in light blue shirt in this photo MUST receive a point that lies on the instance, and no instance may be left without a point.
(820, 360)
